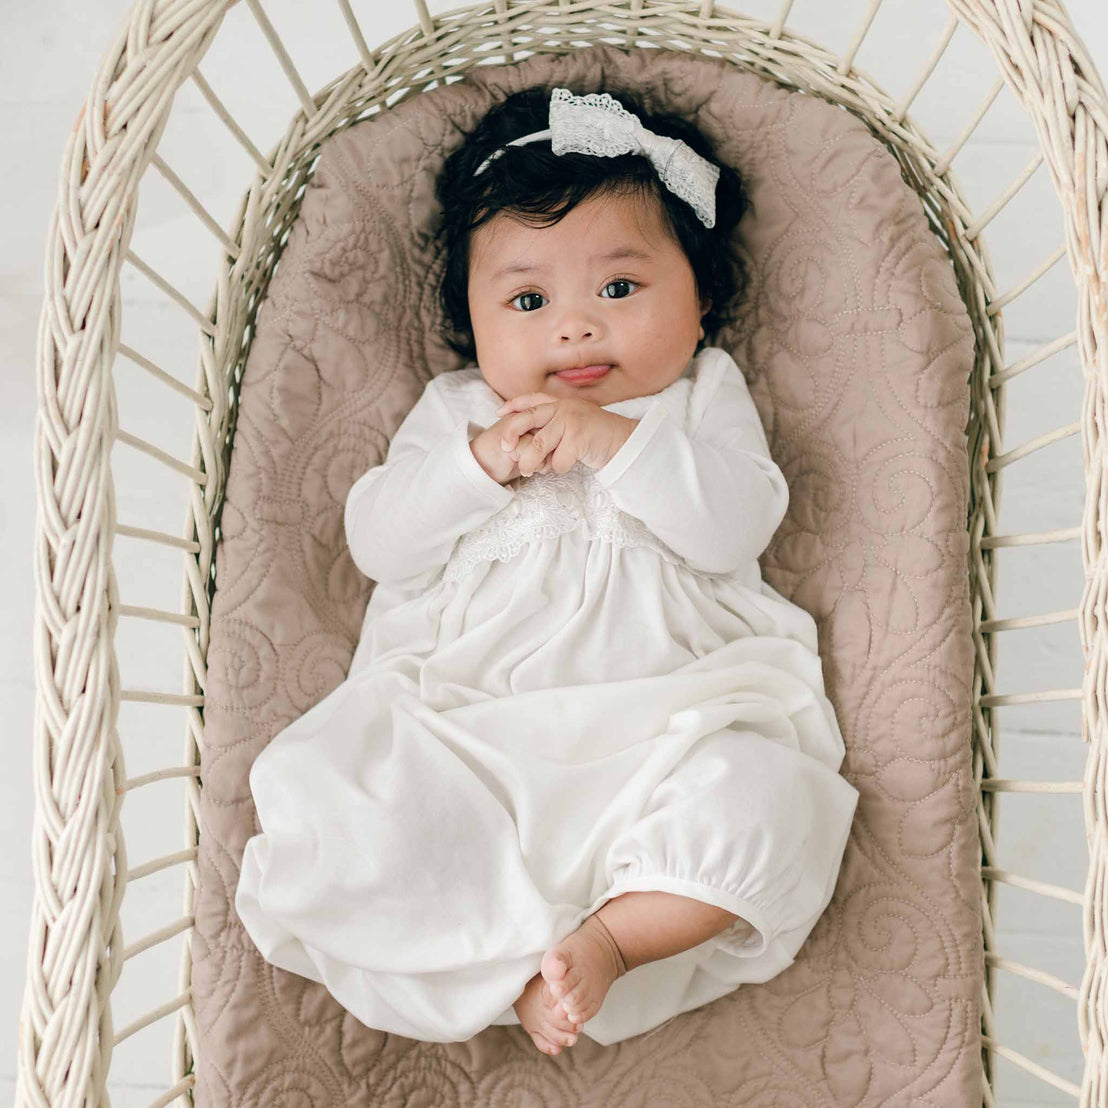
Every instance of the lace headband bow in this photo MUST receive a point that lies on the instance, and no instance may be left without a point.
(597, 124)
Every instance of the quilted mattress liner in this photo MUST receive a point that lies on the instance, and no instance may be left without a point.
(857, 350)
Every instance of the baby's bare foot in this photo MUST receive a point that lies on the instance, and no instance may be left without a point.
(542, 1017)
(581, 968)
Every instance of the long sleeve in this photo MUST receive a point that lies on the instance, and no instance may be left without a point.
(403, 517)
(713, 495)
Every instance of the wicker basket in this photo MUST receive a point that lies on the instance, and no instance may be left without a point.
(77, 954)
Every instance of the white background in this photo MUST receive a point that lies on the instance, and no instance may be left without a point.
(49, 57)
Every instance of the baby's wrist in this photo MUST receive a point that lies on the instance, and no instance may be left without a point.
(490, 457)
(623, 428)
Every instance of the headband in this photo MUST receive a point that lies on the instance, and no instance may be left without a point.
(598, 125)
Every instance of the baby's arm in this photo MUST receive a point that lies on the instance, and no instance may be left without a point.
(403, 517)
(714, 496)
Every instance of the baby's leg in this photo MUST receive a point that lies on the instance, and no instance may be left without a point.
(650, 925)
(628, 931)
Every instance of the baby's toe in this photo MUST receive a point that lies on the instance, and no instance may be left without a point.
(560, 1036)
(544, 1044)
(559, 973)
(555, 1010)
(576, 998)
(558, 1030)
(579, 1006)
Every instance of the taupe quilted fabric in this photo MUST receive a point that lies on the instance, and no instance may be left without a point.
(857, 350)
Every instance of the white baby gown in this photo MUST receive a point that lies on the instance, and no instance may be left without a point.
(566, 688)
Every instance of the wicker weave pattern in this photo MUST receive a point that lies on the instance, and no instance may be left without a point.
(80, 859)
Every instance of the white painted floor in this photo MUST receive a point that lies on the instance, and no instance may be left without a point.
(49, 57)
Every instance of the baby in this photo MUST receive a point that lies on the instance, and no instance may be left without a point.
(568, 317)
(577, 723)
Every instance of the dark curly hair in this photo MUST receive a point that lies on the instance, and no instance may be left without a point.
(531, 181)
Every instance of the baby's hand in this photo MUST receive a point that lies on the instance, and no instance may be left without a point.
(568, 430)
(496, 458)
(512, 440)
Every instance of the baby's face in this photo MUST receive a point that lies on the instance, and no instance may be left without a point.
(577, 307)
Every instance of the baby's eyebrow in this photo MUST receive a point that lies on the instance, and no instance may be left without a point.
(622, 253)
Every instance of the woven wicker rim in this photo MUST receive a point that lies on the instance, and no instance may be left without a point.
(76, 951)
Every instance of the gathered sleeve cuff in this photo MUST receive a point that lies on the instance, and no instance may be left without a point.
(713, 495)
(404, 516)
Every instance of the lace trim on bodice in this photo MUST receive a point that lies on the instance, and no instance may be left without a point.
(547, 505)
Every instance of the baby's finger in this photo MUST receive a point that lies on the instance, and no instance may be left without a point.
(535, 454)
(510, 436)
(514, 439)
(528, 400)
(516, 424)
(514, 404)
(521, 443)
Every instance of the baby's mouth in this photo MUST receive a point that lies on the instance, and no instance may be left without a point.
(584, 374)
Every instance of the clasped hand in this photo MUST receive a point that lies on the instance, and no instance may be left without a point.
(544, 433)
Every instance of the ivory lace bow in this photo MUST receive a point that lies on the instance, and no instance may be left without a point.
(596, 124)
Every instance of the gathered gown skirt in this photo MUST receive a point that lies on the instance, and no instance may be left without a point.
(505, 757)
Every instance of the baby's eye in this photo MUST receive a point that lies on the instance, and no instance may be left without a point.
(520, 295)
(617, 281)
(620, 281)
